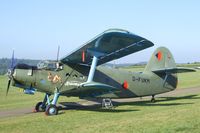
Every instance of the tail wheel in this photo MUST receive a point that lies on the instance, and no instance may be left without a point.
(153, 100)
(51, 110)
(40, 107)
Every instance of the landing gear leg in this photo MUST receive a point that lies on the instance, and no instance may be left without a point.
(41, 106)
(153, 100)
(107, 103)
(52, 109)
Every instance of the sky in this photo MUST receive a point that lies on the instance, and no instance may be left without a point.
(35, 28)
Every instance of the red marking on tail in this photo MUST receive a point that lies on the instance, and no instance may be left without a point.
(159, 56)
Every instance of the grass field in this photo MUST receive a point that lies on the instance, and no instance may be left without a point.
(172, 114)
(177, 115)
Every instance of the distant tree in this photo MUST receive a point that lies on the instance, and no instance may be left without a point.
(5, 64)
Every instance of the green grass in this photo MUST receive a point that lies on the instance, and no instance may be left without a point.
(175, 114)
(187, 80)
(192, 65)
(15, 98)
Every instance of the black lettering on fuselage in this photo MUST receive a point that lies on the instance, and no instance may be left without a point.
(139, 79)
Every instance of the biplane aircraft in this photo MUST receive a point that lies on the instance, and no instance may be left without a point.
(80, 73)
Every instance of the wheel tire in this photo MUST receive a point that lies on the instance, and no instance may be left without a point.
(51, 110)
(39, 107)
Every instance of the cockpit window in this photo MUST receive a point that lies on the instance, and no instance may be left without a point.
(47, 65)
(42, 64)
(51, 66)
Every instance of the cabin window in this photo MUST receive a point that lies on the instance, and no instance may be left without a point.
(48, 65)
(82, 77)
(75, 76)
(67, 75)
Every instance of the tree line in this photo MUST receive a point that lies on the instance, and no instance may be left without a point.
(5, 63)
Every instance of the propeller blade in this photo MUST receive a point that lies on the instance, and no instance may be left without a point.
(8, 87)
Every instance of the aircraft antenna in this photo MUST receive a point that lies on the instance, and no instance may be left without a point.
(58, 52)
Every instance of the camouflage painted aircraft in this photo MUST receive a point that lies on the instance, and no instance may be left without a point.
(80, 73)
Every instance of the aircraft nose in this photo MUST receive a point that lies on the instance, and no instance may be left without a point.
(11, 73)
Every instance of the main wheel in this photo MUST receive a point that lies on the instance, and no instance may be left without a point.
(51, 110)
(40, 107)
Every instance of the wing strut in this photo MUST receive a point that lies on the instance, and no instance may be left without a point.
(96, 56)
(92, 69)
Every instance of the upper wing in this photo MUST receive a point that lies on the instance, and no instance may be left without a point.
(113, 44)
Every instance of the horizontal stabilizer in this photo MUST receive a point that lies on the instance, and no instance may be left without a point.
(174, 70)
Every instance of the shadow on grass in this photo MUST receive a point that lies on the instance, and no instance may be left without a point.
(179, 98)
(97, 106)
(94, 107)
(160, 101)
(148, 103)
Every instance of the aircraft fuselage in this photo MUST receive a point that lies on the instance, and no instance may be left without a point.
(69, 79)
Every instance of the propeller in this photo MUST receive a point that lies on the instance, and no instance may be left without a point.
(10, 72)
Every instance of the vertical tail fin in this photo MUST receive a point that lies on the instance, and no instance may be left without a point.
(163, 65)
(161, 58)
